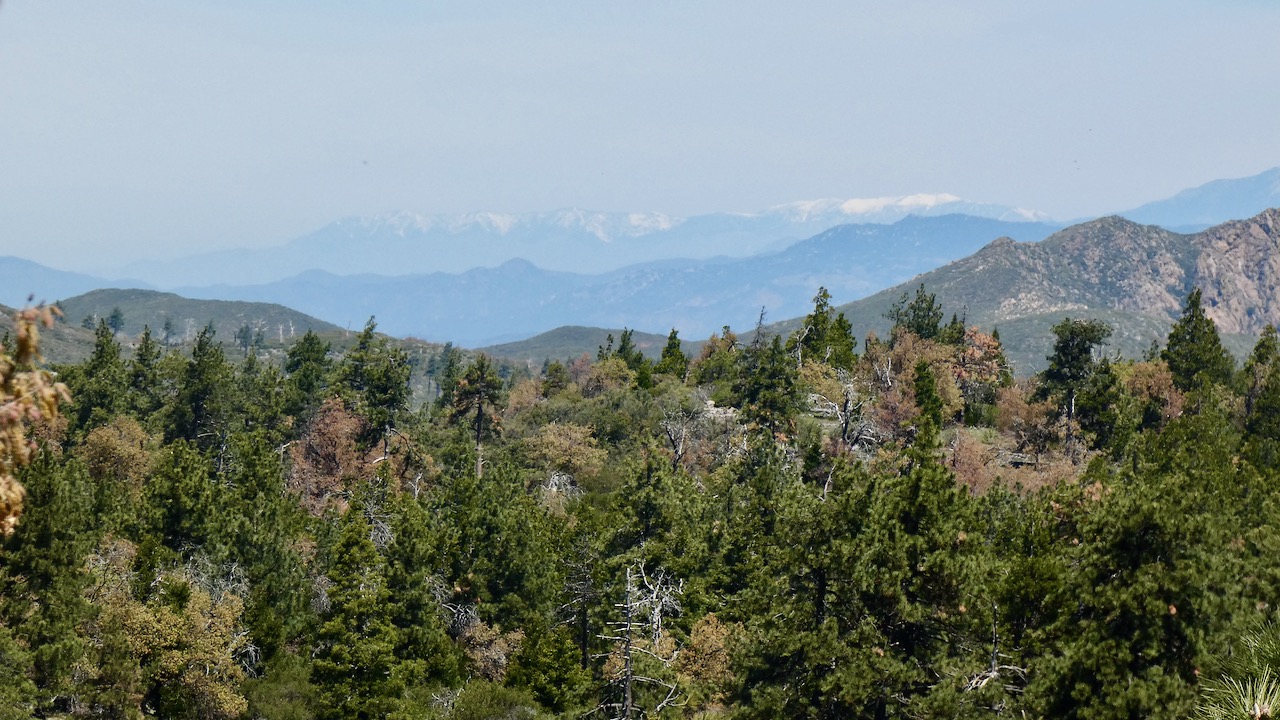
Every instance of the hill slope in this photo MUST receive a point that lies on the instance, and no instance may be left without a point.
(569, 342)
(186, 317)
(61, 343)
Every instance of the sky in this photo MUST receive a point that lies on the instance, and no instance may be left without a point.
(159, 128)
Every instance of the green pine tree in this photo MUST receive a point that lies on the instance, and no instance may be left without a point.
(768, 386)
(921, 316)
(355, 668)
(307, 367)
(673, 361)
(43, 577)
(199, 411)
(1194, 350)
(100, 385)
(375, 375)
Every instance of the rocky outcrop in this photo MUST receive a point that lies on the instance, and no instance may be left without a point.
(1238, 271)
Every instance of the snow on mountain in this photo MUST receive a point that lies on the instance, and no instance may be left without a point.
(884, 210)
(567, 240)
(605, 226)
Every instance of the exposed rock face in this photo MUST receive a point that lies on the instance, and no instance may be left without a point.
(1118, 265)
(1238, 271)
(1109, 263)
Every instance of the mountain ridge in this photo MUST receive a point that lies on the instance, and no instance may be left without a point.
(486, 306)
(567, 240)
(1134, 276)
(1212, 203)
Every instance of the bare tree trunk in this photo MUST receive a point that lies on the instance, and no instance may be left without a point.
(628, 670)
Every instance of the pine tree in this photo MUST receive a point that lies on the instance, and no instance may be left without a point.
(199, 411)
(1129, 618)
(42, 576)
(921, 316)
(1256, 369)
(186, 509)
(673, 361)
(503, 544)
(767, 386)
(263, 524)
(100, 385)
(17, 691)
(474, 402)
(864, 596)
(426, 655)
(1098, 408)
(953, 332)
(446, 369)
(1194, 351)
(824, 337)
(355, 668)
(930, 404)
(115, 321)
(1072, 362)
(376, 376)
(307, 367)
(144, 377)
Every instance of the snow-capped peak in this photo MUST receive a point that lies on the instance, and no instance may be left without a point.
(894, 208)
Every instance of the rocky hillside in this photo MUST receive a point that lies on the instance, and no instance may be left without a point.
(1133, 276)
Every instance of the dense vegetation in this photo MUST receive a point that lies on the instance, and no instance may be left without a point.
(780, 527)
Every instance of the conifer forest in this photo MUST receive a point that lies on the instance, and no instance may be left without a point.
(825, 525)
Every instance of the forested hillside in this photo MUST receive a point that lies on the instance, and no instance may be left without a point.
(781, 527)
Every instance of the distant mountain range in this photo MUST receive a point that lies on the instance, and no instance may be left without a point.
(22, 281)
(710, 270)
(573, 240)
(1212, 203)
(591, 242)
(516, 299)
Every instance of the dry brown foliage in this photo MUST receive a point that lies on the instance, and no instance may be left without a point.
(28, 397)
(1033, 425)
(326, 461)
(980, 360)
(891, 371)
(895, 412)
(703, 663)
(523, 397)
(326, 458)
(490, 650)
(579, 369)
(1152, 384)
(118, 454)
(972, 461)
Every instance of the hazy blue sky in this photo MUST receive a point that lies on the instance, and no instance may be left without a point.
(129, 126)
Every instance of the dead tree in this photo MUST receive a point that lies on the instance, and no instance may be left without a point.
(638, 634)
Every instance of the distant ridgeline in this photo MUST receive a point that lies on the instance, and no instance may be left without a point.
(1131, 276)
